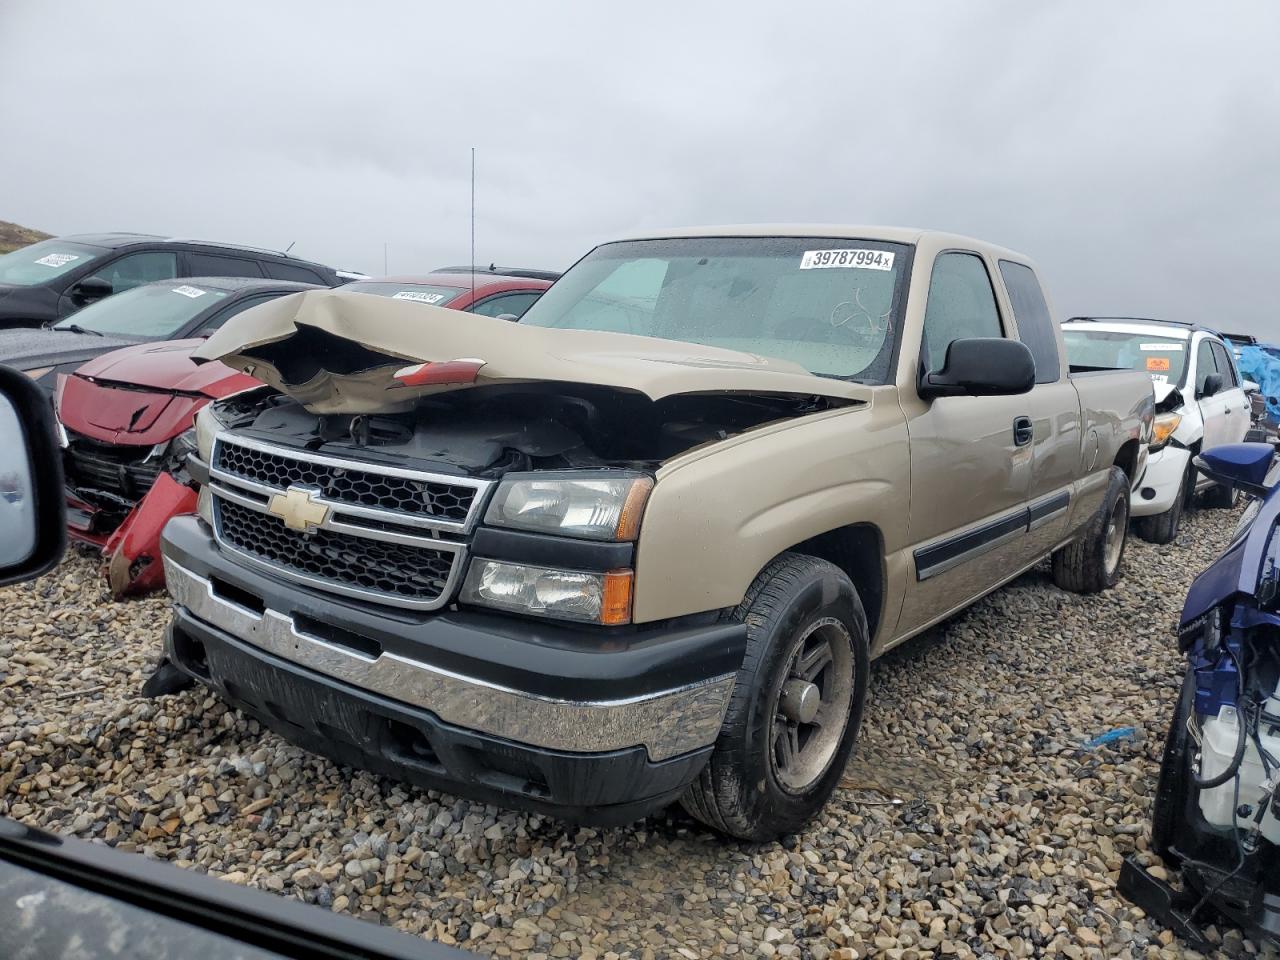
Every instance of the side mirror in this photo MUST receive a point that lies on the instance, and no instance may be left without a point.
(982, 367)
(1249, 386)
(507, 316)
(1212, 384)
(1243, 466)
(33, 522)
(92, 288)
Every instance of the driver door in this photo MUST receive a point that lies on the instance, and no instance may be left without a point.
(970, 468)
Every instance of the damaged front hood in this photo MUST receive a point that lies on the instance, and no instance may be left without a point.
(167, 366)
(338, 352)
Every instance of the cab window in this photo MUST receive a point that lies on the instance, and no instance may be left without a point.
(961, 305)
(1205, 364)
(1031, 314)
(1225, 366)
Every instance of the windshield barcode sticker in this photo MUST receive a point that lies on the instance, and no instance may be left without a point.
(57, 259)
(418, 296)
(188, 291)
(864, 259)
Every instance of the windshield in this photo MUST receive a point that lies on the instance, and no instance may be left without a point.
(830, 305)
(1164, 358)
(43, 261)
(417, 292)
(152, 312)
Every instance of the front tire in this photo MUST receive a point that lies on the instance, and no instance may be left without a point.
(1163, 527)
(796, 706)
(1091, 563)
(1220, 497)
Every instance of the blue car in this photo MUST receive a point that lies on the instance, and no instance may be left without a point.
(1216, 814)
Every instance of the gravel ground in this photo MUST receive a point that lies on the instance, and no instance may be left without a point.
(1007, 839)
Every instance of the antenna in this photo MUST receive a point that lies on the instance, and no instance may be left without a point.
(289, 247)
(473, 223)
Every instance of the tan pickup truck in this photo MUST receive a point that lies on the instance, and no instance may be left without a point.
(643, 545)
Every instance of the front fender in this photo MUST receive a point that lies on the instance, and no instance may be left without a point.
(718, 515)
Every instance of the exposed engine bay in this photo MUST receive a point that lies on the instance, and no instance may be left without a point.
(1216, 814)
(491, 430)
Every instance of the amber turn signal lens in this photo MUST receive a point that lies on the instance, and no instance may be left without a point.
(615, 605)
(633, 509)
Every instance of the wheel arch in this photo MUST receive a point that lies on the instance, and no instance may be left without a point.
(1127, 459)
(858, 550)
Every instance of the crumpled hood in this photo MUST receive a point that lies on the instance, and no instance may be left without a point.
(166, 366)
(338, 352)
(27, 349)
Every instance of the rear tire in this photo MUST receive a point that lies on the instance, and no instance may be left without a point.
(1220, 497)
(771, 771)
(1163, 527)
(1092, 562)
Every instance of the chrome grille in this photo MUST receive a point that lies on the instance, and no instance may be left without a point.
(414, 496)
(387, 534)
(396, 570)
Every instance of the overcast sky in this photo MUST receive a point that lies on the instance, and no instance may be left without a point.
(1132, 149)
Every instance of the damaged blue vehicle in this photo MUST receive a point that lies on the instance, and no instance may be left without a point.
(1216, 813)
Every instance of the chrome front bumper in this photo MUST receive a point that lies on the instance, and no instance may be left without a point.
(667, 723)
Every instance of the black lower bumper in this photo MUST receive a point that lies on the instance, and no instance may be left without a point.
(409, 741)
(372, 732)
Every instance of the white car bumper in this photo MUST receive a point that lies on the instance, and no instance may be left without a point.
(1163, 481)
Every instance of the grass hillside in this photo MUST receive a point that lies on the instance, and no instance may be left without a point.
(13, 236)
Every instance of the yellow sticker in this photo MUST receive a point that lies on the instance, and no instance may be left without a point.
(1157, 363)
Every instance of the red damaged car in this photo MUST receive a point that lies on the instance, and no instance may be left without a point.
(127, 418)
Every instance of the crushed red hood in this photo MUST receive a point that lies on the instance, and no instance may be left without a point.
(166, 366)
(145, 394)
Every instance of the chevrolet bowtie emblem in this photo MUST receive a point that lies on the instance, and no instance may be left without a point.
(298, 508)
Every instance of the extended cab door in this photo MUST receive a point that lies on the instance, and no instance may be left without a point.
(970, 461)
(1054, 409)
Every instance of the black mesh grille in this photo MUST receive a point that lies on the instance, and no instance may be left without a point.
(112, 468)
(421, 498)
(410, 573)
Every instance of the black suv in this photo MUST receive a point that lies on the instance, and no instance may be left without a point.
(55, 278)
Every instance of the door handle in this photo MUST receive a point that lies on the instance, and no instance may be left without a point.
(1023, 431)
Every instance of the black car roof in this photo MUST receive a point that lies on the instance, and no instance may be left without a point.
(238, 284)
(115, 241)
(111, 240)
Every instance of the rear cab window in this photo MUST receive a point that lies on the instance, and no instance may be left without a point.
(1031, 314)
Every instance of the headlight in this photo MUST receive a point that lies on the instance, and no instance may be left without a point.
(206, 428)
(37, 373)
(1162, 429)
(546, 592)
(594, 506)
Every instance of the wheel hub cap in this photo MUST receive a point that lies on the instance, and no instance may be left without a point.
(811, 705)
(800, 700)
